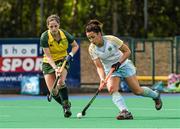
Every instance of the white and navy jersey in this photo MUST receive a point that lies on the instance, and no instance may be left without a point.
(109, 53)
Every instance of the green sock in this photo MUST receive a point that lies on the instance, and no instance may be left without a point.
(63, 91)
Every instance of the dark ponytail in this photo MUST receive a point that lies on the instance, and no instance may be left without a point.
(94, 26)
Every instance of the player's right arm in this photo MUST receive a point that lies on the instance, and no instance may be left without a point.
(97, 62)
(100, 69)
(49, 57)
(45, 46)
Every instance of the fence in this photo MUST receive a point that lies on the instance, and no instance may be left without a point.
(154, 58)
(177, 45)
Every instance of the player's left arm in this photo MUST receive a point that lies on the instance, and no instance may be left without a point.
(73, 43)
(126, 52)
(75, 47)
(122, 47)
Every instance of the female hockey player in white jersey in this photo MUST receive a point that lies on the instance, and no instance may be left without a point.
(108, 51)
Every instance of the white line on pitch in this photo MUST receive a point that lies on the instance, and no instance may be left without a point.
(80, 107)
(4, 116)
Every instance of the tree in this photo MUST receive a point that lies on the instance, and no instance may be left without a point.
(22, 18)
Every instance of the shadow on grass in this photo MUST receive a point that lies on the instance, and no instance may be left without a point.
(135, 117)
(95, 117)
(158, 118)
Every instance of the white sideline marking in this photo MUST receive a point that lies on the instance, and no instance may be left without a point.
(90, 128)
(5, 116)
(97, 108)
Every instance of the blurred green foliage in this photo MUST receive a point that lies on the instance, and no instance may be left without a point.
(27, 18)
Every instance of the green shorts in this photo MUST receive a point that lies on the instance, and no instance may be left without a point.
(47, 68)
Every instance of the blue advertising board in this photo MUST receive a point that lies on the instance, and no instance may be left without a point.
(22, 58)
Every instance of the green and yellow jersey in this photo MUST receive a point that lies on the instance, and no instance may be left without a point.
(57, 49)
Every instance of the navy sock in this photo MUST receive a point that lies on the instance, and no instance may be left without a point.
(64, 93)
(58, 99)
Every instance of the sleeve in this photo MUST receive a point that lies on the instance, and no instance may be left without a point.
(92, 53)
(116, 41)
(69, 37)
(44, 40)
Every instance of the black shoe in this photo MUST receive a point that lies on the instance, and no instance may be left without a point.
(66, 108)
(124, 115)
(158, 101)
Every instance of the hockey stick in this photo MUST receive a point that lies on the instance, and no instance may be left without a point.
(97, 92)
(49, 97)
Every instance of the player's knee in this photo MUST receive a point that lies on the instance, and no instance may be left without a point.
(55, 91)
(137, 92)
(61, 84)
(111, 89)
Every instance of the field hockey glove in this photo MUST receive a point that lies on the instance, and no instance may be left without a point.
(116, 66)
(69, 57)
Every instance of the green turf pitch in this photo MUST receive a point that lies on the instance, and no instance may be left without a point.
(37, 112)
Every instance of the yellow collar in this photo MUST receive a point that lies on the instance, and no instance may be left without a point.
(51, 39)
